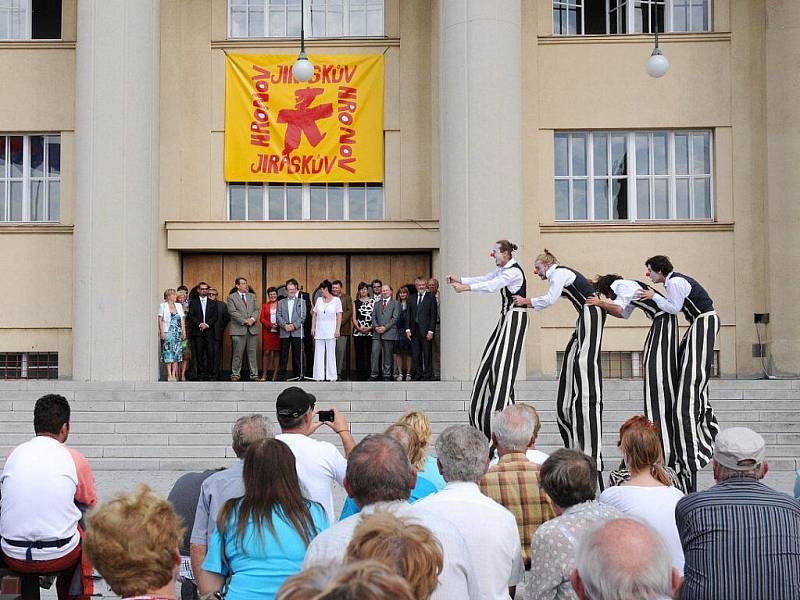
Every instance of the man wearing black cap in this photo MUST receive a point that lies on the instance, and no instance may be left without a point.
(319, 464)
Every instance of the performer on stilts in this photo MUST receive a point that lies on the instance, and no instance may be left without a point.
(659, 357)
(493, 387)
(694, 424)
(580, 384)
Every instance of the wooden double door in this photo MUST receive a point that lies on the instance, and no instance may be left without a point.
(266, 270)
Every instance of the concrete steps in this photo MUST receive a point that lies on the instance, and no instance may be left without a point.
(153, 431)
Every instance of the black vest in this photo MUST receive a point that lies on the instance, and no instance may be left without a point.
(697, 302)
(649, 307)
(506, 296)
(578, 291)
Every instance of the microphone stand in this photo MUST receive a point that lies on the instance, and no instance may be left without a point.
(302, 375)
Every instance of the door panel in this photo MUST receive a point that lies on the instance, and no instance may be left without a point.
(366, 267)
(249, 267)
(406, 268)
(286, 266)
(203, 267)
(325, 266)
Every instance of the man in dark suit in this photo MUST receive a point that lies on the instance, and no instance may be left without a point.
(223, 318)
(202, 318)
(290, 316)
(421, 327)
(308, 341)
(384, 334)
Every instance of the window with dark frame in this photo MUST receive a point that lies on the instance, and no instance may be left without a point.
(28, 365)
(628, 364)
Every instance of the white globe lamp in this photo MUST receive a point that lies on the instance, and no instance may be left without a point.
(657, 65)
(303, 69)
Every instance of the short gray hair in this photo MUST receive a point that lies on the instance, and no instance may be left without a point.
(463, 452)
(513, 428)
(378, 470)
(723, 472)
(624, 558)
(249, 429)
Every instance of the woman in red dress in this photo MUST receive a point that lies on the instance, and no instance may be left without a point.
(271, 338)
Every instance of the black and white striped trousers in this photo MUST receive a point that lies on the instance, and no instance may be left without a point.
(695, 426)
(660, 368)
(580, 386)
(493, 387)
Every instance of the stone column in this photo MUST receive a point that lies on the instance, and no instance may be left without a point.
(783, 181)
(114, 321)
(480, 112)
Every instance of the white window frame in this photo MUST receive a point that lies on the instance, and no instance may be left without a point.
(28, 21)
(306, 201)
(630, 17)
(308, 10)
(27, 180)
(632, 177)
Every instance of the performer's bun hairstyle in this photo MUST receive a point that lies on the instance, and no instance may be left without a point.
(602, 284)
(506, 246)
(546, 258)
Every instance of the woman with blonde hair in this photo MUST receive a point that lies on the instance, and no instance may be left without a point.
(579, 401)
(649, 494)
(133, 543)
(409, 549)
(172, 331)
(424, 464)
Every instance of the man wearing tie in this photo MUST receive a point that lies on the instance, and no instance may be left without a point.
(243, 309)
(422, 324)
(384, 334)
(290, 316)
(202, 317)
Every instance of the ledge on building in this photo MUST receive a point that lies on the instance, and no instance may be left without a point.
(345, 42)
(652, 226)
(625, 38)
(28, 228)
(37, 45)
(303, 235)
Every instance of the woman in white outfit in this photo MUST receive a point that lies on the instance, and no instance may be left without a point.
(649, 494)
(326, 320)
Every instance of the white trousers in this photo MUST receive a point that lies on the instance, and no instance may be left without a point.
(325, 360)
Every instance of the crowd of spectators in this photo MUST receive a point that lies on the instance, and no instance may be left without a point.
(395, 332)
(515, 528)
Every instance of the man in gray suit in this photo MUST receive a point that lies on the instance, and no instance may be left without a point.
(243, 309)
(384, 334)
(290, 317)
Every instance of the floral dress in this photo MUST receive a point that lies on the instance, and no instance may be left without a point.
(172, 349)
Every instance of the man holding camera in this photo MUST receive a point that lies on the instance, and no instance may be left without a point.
(319, 463)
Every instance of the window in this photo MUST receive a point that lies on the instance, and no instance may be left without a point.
(322, 18)
(628, 365)
(30, 178)
(614, 17)
(633, 176)
(28, 365)
(295, 202)
(30, 19)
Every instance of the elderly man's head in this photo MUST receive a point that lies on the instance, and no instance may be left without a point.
(250, 429)
(739, 452)
(569, 477)
(512, 429)
(623, 559)
(462, 453)
(378, 470)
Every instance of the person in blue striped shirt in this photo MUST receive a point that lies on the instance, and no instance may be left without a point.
(741, 538)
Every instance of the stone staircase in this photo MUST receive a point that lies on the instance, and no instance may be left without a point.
(153, 432)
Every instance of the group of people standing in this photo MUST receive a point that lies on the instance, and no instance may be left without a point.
(676, 374)
(389, 330)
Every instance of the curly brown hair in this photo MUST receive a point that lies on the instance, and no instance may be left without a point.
(132, 540)
(409, 549)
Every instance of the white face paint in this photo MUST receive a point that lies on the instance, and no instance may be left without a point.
(497, 254)
(654, 277)
(540, 270)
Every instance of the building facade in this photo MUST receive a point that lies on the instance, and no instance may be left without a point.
(532, 120)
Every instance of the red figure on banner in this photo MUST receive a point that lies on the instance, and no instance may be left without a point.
(303, 119)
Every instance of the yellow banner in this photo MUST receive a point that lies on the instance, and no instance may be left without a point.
(327, 130)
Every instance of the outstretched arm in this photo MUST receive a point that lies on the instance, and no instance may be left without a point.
(677, 291)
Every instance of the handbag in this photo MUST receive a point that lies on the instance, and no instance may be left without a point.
(222, 592)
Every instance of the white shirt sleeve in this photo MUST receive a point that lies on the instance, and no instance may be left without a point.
(558, 281)
(510, 278)
(627, 292)
(339, 308)
(677, 291)
(338, 464)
